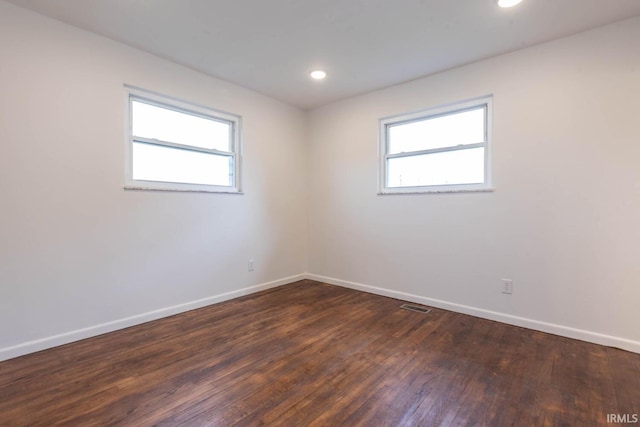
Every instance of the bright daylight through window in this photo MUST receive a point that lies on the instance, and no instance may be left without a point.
(177, 146)
(437, 150)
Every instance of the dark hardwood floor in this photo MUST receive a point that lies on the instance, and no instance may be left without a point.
(314, 354)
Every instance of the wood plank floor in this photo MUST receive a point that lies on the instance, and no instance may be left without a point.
(311, 354)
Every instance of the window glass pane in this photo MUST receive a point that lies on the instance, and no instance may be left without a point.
(446, 168)
(466, 127)
(152, 122)
(157, 163)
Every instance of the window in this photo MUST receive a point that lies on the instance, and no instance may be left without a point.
(444, 149)
(176, 146)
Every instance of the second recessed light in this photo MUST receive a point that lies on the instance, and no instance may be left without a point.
(508, 3)
(318, 74)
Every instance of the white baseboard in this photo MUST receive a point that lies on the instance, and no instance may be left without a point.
(79, 334)
(537, 325)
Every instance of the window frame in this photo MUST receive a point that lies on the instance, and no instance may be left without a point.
(133, 93)
(430, 113)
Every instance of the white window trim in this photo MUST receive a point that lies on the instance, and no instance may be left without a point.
(132, 92)
(386, 122)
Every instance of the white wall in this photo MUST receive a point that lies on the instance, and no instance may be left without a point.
(79, 255)
(563, 222)
(77, 250)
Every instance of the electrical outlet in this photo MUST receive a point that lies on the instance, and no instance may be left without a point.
(507, 286)
(251, 265)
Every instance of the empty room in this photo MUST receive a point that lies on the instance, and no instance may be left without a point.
(330, 213)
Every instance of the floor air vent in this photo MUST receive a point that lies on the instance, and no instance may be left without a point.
(415, 308)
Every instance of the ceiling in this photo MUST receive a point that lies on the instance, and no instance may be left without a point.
(271, 45)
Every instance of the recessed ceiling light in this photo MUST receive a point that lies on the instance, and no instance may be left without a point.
(508, 3)
(318, 74)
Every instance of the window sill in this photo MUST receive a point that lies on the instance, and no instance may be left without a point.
(436, 191)
(180, 190)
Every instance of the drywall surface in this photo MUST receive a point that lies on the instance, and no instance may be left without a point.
(76, 249)
(562, 222)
